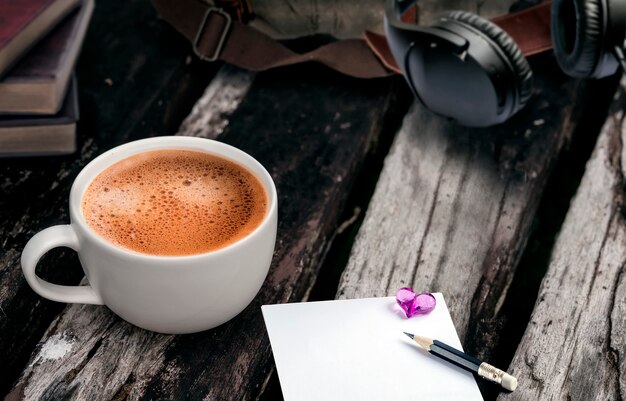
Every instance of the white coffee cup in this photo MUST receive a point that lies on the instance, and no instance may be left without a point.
(167, 294)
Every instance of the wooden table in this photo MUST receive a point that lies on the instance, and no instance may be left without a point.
(521, 226)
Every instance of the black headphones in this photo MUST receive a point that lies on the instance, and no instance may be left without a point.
(467, 68)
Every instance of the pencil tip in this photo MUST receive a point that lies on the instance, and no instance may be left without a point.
(409, 335)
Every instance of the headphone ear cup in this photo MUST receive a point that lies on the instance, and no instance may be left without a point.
(521, 69)
(577, 36)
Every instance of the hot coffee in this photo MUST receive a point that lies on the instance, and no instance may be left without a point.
(174, 203)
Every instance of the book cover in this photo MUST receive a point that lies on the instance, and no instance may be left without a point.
(38, 82)
(41, 135)
(23, 22)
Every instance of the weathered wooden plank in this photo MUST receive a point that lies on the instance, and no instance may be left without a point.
(209, 116)
(313, 145)
(574, 347)
(453, 207)
(135, 80)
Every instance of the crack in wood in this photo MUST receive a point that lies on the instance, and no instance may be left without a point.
(490, 294)
(125, 390)
(429, 219)
(596, 265)
(533, 375)
(71, 375)
(493, 252)
(453, 221)
(567, 381)
(613, 352)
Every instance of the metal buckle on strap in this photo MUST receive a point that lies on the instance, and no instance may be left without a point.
(222, 40)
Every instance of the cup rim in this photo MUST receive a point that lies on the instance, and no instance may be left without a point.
(121, 152)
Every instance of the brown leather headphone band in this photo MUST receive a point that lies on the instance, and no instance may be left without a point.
(215, 35)
(529, 28)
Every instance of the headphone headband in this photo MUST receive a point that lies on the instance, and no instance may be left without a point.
(462, 66)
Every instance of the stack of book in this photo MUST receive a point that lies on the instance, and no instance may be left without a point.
(39, 43)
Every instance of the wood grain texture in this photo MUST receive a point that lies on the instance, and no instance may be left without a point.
(313, 152)
(134, 82)
(453, 207)
(574, 347)
(210, 115)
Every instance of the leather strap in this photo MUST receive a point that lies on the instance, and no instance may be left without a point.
(215, 35)
(529, 28)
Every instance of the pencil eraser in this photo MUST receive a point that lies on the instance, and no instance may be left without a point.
(509, 382)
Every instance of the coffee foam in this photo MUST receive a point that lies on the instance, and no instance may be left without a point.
(174, 202)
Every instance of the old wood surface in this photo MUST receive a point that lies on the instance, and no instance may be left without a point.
(453, 207)
(136, 79)
(574, 347)
(210, 115)
(313, 152)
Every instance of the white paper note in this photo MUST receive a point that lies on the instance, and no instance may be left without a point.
(356, 350)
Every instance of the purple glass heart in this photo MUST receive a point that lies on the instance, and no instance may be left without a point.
(415, 304)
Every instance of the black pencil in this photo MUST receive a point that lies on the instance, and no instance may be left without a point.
(467, 362)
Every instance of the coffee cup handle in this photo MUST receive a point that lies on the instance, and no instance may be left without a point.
(41, 243)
